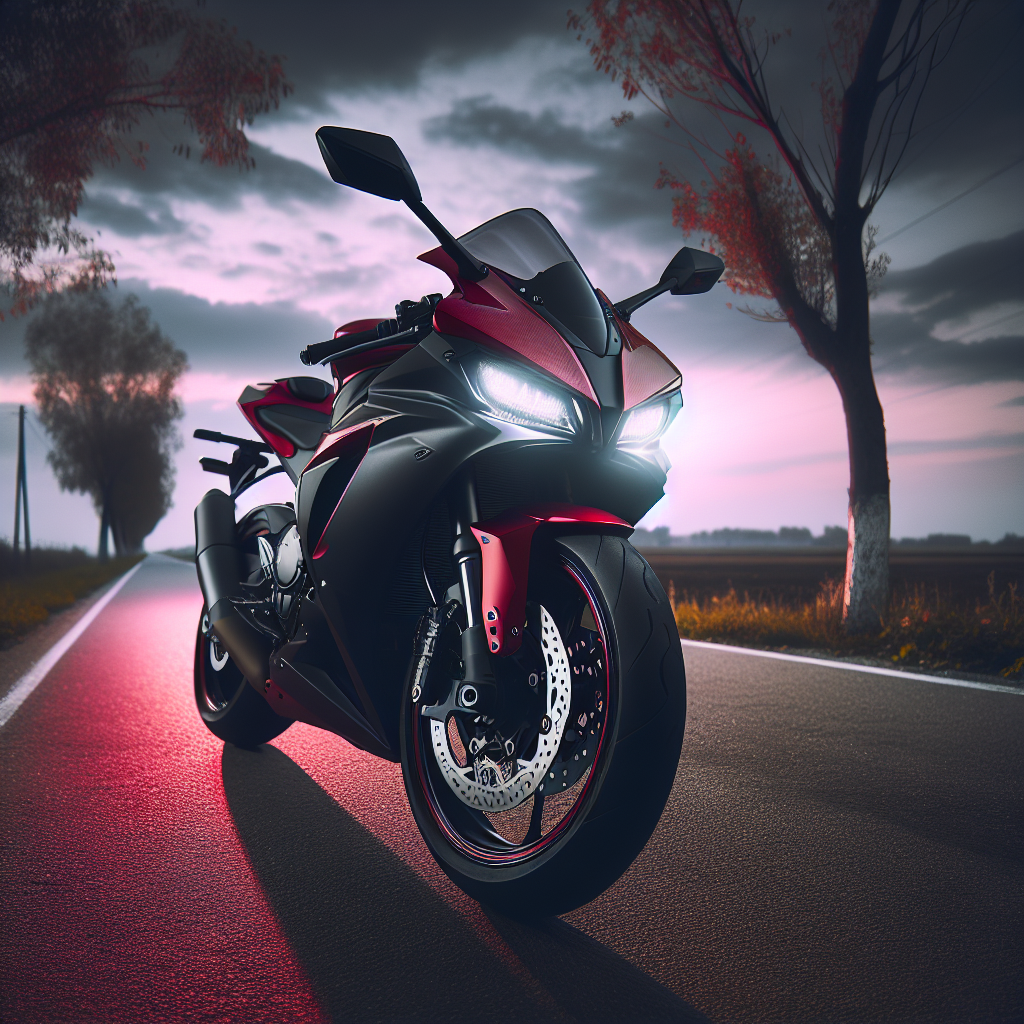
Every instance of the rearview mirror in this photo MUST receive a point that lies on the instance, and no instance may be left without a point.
(693, 271)
(690, 273)
(368, 162)
(374, 163)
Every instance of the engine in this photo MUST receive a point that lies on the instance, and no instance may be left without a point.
(276, 584)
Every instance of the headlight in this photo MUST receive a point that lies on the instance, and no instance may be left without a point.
(646, 423)
(519, 399)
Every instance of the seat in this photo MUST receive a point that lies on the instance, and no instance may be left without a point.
(307, 389)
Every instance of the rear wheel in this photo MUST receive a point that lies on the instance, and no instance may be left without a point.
(541, 810)
(230, 707)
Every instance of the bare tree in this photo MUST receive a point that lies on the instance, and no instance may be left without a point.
(104, 382)
(794, 227)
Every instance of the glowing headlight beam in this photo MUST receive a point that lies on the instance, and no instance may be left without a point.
(644, 424)
(647, 422)
(520, 401)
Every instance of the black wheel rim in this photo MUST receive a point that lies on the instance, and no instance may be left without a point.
(544, 818)
(220, 679)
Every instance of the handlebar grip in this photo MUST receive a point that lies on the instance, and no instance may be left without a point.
(216, 436)
(321, 350)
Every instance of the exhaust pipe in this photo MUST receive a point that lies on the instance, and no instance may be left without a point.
(220, 569)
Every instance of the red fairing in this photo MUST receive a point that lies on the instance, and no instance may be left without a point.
(278, 394)
(491, 313)
(645, 370)
(505, 551)
(355, 326)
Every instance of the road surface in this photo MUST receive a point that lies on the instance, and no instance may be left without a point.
(837, 847)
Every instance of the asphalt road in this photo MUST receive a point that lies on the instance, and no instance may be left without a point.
(837, 847)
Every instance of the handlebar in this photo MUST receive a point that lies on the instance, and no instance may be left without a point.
(242, 442)
(412, 318)
(322, 351)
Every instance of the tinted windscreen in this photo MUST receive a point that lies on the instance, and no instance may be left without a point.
(524, 245)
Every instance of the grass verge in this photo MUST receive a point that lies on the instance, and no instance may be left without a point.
(26, 600)
(922, 628)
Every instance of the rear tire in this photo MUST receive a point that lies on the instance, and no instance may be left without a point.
(231, 709)
(621, 796)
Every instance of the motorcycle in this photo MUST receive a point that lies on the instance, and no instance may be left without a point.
(453, 587)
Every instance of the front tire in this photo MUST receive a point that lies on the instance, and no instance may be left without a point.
(231, 709)
(616, 627)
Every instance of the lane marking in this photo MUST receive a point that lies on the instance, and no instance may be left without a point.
(854, 667)
(21, 690)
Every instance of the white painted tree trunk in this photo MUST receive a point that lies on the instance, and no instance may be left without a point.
(866, 593)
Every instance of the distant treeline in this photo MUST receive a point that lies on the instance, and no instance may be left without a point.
(800, 536)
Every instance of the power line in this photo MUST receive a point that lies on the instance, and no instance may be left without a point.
(994, 323)
(950, 202)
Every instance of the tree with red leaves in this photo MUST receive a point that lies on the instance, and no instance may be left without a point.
(76, 78)
(793, 227)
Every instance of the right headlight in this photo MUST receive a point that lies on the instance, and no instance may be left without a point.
(520, 398)
(644, 424)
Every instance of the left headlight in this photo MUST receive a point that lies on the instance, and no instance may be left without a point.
(646, 423)
(520, 399)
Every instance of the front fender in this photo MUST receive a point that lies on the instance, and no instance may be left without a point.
(505, 543)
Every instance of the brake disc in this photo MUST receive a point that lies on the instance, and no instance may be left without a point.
(487, 785)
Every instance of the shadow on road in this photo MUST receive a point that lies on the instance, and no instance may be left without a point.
(377, 943)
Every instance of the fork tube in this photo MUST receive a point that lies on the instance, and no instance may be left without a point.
(467, 550)
(478, 677)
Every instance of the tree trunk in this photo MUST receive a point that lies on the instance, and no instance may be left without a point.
(866, 591)
(102, 550)
(117, 532)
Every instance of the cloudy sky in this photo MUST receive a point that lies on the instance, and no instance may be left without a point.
(498, 106)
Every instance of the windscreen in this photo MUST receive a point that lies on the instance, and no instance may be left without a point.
(524, 245)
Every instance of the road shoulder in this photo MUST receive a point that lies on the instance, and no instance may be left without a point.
(18, 659)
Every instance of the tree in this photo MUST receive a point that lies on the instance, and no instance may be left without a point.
(76, 77)
(794, 227)
(104, 383)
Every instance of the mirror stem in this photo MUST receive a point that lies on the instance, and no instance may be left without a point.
(469, 268)
(627, 307)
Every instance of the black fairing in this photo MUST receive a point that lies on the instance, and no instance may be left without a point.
(367, 572)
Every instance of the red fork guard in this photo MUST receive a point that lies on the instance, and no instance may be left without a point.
(505, 543)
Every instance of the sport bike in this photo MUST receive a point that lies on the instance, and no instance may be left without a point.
(453, 587)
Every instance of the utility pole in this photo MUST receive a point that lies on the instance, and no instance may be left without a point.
(21, 493)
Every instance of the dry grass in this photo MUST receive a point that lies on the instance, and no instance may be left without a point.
(921, 628)
(27, 599)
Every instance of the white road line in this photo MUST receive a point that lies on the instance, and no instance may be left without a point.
(853, 667)
(38, 672)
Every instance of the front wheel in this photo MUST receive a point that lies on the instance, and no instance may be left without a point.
(232, 710)
(540, 810)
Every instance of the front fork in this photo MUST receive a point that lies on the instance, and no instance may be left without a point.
(478, 690)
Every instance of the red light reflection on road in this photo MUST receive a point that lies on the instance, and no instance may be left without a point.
(114, 823)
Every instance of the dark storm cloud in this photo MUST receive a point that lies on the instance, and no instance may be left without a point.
(277, 179)
(479, 121)
(964, 283)
(220, 336)
(623, 162)
(354, 46)
(244, 337)
(129, 219)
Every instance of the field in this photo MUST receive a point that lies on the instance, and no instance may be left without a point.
(949, 610)
(797, 575)
(56, 578)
